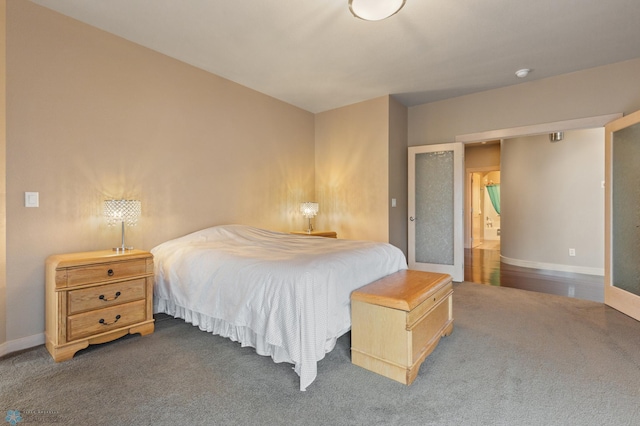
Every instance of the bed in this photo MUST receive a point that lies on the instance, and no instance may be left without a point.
(285, 295)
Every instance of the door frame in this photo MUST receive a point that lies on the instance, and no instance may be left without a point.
(619, 299)
(538, 129)
(457, 269)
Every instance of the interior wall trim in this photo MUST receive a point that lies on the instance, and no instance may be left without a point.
(20, 344)
(537, 129)
(552, 266)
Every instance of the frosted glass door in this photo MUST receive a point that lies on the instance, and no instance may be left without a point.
(435, 209)
(622, 266)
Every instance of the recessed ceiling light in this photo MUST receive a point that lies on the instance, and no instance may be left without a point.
(523, 72)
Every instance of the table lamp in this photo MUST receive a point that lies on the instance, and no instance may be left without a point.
(309, 210)
(122, 211)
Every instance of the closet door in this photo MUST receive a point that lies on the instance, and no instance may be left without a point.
(622, 215)
(436, 233)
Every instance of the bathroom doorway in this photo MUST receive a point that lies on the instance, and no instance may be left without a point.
(482, 175)
(483, 231)
(485, 209)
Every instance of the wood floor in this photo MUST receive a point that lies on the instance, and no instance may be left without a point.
(482, 265)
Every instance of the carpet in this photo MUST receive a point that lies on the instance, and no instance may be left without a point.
(514, 358)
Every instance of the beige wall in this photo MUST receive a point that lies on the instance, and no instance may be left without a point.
(3, 165)
(352, 170)
(92, 116)
(398, 173)
(361, 164)
(596, 91)
(482, 156)
(552, 199)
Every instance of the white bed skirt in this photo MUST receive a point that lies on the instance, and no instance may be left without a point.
(243, 335)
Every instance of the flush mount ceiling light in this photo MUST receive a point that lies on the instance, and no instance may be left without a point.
(523, 72)
(375, 10)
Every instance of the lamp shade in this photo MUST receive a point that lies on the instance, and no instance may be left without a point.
(375, 10)
(122, 211)
(309, 209)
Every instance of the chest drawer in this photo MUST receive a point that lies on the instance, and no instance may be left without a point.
(102, 320)
(419, 312)
(103, 296)
(105, 271)
(423, 333)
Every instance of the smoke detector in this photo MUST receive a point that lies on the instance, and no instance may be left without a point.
(523, 72)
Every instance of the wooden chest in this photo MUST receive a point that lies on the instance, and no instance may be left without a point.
(398, 320)
(96, 297)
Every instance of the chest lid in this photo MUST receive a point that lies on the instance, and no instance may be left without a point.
(402, 290)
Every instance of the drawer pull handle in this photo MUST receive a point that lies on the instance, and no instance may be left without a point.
(103, 322)
(102, 297)
(110, 272)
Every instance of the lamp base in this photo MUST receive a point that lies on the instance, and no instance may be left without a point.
(122, 249)
(309, 227)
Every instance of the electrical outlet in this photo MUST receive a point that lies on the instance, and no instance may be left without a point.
(572, 252)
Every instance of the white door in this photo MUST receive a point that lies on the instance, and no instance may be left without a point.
(622, 217)
(436, 233)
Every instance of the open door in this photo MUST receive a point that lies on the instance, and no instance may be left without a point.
(436, 233)
(622, 215)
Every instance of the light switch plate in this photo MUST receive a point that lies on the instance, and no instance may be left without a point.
(32, 199)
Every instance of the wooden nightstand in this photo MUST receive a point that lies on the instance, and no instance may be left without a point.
(327, 234)
(96, 297)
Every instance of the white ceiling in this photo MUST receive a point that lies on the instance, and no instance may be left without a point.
(314, 54)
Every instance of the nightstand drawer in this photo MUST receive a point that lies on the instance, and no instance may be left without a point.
(102, 320)
(105, 272)
(103, 296)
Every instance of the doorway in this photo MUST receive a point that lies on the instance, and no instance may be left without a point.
(531, 259)
(482, 219)
(485, 209)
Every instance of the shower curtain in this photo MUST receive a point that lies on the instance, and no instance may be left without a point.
(494, 195)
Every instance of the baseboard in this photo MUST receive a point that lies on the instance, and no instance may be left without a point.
(21, 344)
(552, 266)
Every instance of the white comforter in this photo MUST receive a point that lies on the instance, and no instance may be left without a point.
(286, 295)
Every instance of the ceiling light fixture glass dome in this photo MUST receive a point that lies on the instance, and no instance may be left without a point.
(375, 10)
